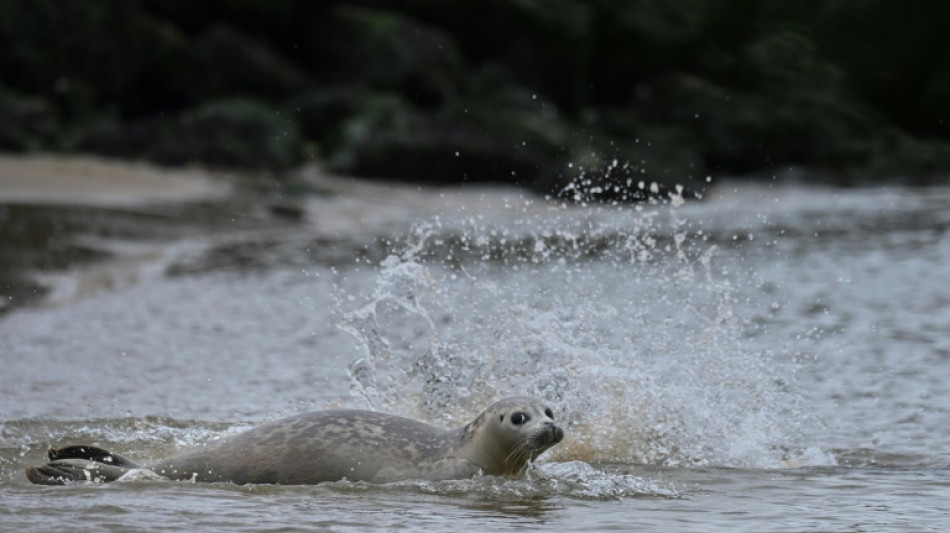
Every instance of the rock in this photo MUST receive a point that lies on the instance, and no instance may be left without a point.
(664, 152)
(240, 134)
(427, 148)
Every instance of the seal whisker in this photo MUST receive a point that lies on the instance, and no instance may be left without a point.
(519, 456)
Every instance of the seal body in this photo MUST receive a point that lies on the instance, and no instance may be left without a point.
(324, 446)
(338, 444)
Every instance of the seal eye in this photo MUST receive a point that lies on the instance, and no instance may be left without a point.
(549, 413)
(519, 418)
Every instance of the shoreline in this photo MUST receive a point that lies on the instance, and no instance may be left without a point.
(50, 251)
(48, 179)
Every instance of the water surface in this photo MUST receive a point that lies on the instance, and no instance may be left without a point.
(769, 359)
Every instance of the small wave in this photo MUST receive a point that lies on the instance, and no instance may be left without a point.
(575, 480)
(871, 458)
(138, 430)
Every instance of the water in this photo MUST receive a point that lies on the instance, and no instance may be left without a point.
(769, 359)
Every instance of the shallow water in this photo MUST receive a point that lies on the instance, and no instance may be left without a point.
(769, 359)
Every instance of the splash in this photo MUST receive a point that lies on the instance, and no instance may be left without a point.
(622, 318)
(574, 479)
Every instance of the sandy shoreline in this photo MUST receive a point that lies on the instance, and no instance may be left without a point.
(83, 180)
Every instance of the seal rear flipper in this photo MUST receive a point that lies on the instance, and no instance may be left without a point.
(63, 471)
(90, 453)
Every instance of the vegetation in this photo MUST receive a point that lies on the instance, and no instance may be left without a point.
(488, 90)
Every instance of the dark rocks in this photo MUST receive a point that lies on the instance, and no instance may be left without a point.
(499, 132)
(224, 134)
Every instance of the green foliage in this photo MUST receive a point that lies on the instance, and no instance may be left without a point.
(386, 50)
(226, 134)
(518, 88)
(25, 123)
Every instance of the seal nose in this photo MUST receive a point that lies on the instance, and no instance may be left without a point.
(557, 434)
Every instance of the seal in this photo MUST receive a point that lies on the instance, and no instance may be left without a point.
(334, 445)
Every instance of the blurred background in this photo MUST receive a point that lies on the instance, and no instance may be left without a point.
(509, 91)
(187, 247)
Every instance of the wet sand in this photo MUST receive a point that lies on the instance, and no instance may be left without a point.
(88, 181)
(71, 225)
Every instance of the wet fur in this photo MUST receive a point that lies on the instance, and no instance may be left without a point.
(333, 445)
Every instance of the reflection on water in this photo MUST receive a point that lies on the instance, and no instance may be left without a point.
(769, 359)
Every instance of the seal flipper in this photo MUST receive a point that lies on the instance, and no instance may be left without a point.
(63, 471)
(79, 463)
(90, 453)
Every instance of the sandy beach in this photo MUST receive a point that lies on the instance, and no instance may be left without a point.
(83, 180)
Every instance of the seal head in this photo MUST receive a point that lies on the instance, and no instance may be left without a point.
(509, 434)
